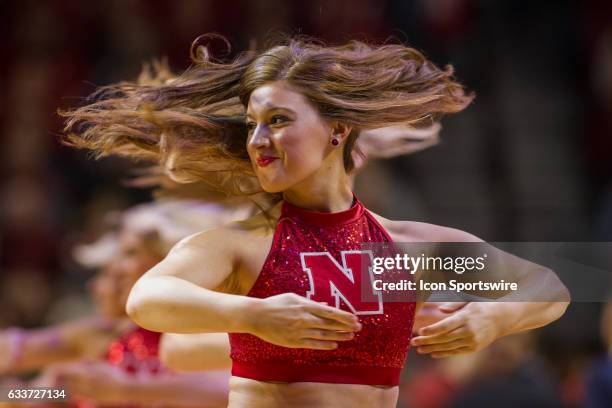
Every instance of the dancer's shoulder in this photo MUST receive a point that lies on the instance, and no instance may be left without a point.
(415, 231)
(234, 234)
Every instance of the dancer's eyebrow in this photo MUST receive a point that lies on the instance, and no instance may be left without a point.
(270, 107)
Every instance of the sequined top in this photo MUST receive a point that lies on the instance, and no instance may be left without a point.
(136, 353)
(321, 256)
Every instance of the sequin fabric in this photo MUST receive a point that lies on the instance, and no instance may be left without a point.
(384, 339)
(136, 353)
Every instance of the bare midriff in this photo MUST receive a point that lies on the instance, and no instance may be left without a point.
(247, 393)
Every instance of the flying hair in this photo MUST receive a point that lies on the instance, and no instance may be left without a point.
(193, 124)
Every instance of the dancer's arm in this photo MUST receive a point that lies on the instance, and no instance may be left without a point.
(102, 383)
(203, 389)
(178, 295)
(195, 352)
(24, 350)
(541, 299)
(182, 294)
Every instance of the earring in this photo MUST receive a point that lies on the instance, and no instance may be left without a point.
(335, 141)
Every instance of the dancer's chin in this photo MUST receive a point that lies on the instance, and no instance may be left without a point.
(271, 187)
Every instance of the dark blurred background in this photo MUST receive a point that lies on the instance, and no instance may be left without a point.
(530, 160)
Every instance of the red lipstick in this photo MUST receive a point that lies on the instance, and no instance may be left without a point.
(263, 161)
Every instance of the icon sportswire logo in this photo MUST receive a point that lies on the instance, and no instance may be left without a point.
(343, 284)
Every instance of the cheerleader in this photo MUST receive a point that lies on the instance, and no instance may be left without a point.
(285, 121)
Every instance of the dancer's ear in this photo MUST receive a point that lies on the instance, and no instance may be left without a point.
(340, 130)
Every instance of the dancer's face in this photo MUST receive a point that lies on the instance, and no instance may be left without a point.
(173, 171)
(103, 288)
(288, 140)
(113, 284)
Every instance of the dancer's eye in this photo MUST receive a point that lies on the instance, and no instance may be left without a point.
(278, 119)
(251, 126)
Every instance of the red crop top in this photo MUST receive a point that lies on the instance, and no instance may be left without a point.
(319, 255)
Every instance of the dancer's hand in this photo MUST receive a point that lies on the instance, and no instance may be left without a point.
(290, 320)
(91, 336)
(93, 381)
(470, 329)
(432, 312)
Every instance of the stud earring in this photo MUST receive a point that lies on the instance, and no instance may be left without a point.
(335, 141)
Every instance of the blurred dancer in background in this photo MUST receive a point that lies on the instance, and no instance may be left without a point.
(130, 371)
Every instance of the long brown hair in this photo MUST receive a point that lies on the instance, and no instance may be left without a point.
(194, 123)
